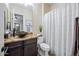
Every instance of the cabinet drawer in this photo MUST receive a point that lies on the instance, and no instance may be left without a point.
(13, 44)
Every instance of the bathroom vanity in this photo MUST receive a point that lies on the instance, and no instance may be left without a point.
(26, 46)
(15, 43)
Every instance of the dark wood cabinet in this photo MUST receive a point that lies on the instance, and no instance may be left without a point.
(22, 48)
(76, 51)
(30, 48)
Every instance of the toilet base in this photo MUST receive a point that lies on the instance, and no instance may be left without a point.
(42, 53)
(46, 53)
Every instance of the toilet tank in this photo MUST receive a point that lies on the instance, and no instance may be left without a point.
(40, 39)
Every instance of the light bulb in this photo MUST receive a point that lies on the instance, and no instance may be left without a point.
(26, 4)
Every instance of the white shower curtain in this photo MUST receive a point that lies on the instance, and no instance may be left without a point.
(58, 28)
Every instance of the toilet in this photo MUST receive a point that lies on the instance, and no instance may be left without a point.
(43, 48)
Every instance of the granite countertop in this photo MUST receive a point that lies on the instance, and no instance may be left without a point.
(16, 38)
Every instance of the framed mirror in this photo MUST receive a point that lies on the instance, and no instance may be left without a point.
(18, 22)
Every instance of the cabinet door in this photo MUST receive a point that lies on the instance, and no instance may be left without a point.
(30, 50)
(18, 51)
(14, 49)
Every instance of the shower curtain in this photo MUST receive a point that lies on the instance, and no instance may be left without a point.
(59, 28)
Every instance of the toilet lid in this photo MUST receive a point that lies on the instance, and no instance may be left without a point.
(44, 45)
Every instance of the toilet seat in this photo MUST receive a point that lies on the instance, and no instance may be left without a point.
(44, 46)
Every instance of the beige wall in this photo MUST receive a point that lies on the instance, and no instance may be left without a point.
(46, 7)
(34, 14)
(21, 9)
(26, 11)
(37, 17)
